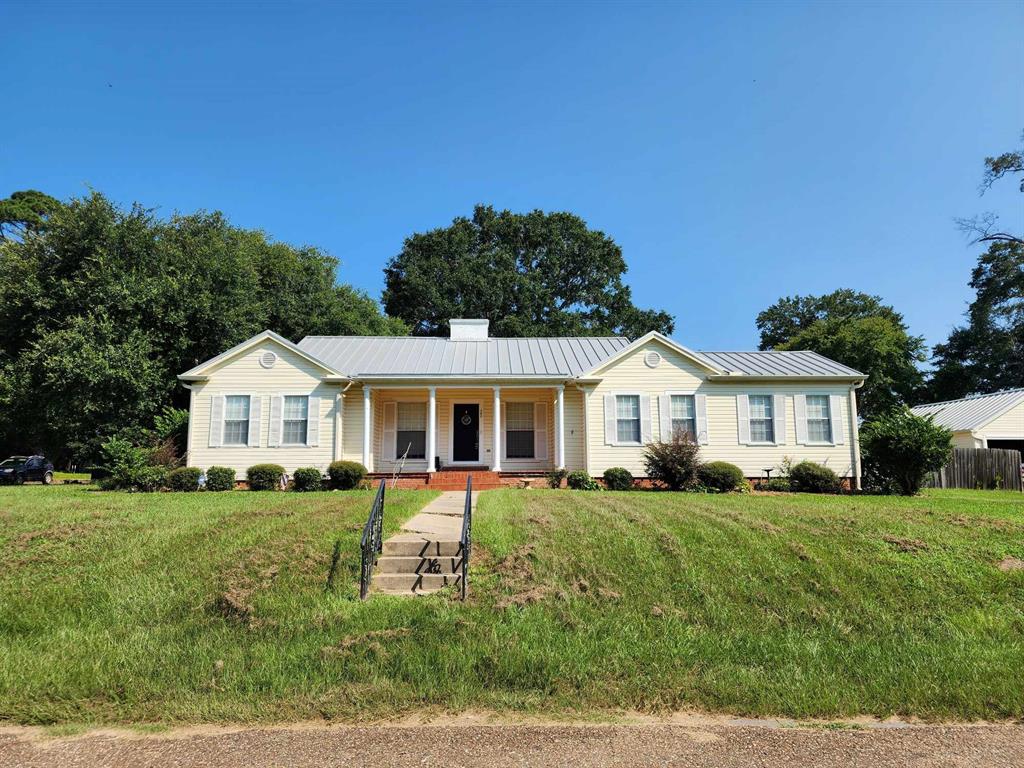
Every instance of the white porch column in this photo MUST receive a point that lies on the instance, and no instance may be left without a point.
(560, 425)
(431, 427)
(496, 448)
(367, 427)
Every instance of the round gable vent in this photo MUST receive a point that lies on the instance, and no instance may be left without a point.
(652, 359)
(267, 359)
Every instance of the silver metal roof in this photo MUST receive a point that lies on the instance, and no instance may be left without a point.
(772, 363)
(361, 356)
(971, 412)
(563, 357)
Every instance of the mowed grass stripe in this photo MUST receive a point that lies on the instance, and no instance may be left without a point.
(211, 607)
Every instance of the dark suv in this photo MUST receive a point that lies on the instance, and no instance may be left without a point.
(18, 469)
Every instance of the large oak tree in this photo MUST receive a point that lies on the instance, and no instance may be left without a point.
(857, 330)
(102, 308)
(532, 274)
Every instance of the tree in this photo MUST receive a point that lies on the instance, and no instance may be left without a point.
(25, 211)
(899, 449)
(534, 274)
(987, 354)
(103, 307)
(856, 330)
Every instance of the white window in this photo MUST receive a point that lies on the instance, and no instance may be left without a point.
(519, 430)
(294, 420)
(236, 420)
(761, 419)
(684, 415)
(412, 430)
(627, 418)
(819, 420)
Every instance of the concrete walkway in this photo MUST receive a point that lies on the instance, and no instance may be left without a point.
(440, 520)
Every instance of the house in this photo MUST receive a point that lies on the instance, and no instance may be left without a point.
(514, 407)
(982, 421)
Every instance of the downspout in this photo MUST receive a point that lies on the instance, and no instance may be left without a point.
(855, 429)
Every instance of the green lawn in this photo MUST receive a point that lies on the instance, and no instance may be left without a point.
(176, 608)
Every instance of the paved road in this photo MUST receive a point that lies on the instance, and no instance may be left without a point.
(493, 746)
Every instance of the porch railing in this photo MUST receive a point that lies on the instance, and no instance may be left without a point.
(371, 544)
(466, 540)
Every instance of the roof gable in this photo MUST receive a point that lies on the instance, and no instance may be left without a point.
(694, 357)
(200, 372)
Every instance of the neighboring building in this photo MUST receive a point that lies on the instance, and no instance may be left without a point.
(982, 421)
(573, 403)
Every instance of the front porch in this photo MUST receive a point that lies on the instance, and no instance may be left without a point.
(432, 429)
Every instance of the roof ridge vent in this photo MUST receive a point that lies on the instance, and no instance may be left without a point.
(462, 329)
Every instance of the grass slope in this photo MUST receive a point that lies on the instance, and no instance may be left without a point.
(190, 608)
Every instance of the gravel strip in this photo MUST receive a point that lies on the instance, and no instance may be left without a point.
(574, 746)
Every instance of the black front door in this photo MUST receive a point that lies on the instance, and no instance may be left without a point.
(466, 432)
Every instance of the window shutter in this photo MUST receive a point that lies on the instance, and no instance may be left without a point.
(255, 420)
(504, 429)
(540, 430)
(313, 421)
(800, 415)
(664, 418)
(835, 410)
(390, 434)
(216, 421)
(609, 420)
(645, 419)
(743, 418)
(779, 418)
(276, 405)
(700, 405)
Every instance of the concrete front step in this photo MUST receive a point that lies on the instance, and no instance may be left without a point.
(414, 564)
(418, 546)
(412, 583)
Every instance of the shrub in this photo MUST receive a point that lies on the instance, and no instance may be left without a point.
(808, 477)
(172, 424)
(264, 477)
(346, 475)
(899, 449)
(581, 481)
(618, 479)
(775, 484)
(220, 479)
(555, 478)
(720, 476)
(130, 467)
(673, 464)
(184, 479)
(308, 479)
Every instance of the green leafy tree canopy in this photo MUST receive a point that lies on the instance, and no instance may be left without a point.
(533, 274)
(857, 330)
(25, 211)
(102, 308)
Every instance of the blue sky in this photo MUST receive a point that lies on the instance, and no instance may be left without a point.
(736, 152)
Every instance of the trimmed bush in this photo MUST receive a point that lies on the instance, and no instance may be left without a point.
(720, 476)
(184, 479)
(780, 484)
(555, 478)
(264, 477)
(899, 449)
(618, 479)
(581, 481)
(673, 464)
(346, 475)
(308, 479)
(808, 477)
(220, 479)
(150, 479)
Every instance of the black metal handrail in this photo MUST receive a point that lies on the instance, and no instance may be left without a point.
(371, 543)
(467, 535)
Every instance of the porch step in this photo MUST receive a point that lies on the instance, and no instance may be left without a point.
(412, 583)
(413, 564)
